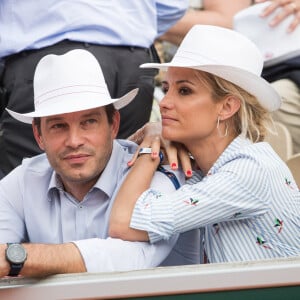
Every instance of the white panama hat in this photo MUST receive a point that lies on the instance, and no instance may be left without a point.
(67, 83)
(275, 43)
(227, 54)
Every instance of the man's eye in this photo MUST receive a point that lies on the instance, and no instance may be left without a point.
(90, 121)
(57, 126)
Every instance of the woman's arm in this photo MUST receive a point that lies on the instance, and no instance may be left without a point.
(136, 182)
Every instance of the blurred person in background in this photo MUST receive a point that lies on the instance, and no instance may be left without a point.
(119, 33)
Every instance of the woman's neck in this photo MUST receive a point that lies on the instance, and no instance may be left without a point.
(206, 152)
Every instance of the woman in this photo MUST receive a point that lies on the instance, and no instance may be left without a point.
(241, 194)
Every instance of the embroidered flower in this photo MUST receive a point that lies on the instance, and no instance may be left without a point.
(260, 241)
(289, 183)
(191, 201)
(279, 224)
(236, 215)
(216, 227)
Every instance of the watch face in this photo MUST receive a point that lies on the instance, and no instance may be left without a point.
(16, 254)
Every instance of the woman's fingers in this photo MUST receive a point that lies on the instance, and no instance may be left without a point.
(185, 161)
(171, 152)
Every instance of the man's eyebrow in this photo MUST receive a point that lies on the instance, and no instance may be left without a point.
(96, 114)
(61, 119)
(54, 119)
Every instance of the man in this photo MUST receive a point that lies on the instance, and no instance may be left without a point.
(58, 203)
(119, 33)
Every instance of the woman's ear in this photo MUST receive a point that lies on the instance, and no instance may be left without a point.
(230, 106)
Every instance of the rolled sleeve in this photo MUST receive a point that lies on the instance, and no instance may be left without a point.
(152, 207)
(103, 255)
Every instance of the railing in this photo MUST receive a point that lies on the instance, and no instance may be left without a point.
(268, 279)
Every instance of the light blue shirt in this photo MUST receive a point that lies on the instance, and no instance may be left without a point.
(248, 204)
(35, 208)
(31, 24)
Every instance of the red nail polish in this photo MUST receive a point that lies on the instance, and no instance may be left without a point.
(174, 166)
(189, 173)
(154, 154)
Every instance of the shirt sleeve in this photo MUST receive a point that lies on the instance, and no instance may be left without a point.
(107, 255)
(12, 228)
(169, 12)
(228, 194)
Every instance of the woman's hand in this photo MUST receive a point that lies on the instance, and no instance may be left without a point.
(287, 8)
(149, 136)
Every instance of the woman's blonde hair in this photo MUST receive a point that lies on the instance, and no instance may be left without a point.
(252, 120)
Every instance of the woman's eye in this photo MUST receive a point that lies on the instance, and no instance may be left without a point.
(184, 91)
(164, 89)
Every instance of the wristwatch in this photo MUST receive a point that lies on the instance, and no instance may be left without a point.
(16, 255)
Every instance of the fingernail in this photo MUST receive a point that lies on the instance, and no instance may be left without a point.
(173, 166)
(188, 173)
(154, 154)
(129, 164)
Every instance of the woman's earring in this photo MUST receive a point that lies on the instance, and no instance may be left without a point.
(218, 127)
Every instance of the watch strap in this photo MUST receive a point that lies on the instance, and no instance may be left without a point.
(15, 269)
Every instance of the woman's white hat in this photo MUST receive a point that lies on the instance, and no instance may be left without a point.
(227, 54)
(274, 42)
(67, 83)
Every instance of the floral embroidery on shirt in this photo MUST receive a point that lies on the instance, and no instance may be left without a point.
(236, 215)
(216, 227)
(289, 183)
(260, 241)
(146, 202)
(191, 201)
(279, 224)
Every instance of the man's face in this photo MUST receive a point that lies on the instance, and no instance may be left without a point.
(78, 145)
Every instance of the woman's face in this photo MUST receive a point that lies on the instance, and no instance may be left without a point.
(188, 111)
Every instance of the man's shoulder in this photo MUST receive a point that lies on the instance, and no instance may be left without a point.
(35, 166)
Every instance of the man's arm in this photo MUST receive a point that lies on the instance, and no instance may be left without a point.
(43, 260)
(168, 13)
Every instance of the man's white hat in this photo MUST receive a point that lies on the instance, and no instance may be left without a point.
(67, 83)
(227, 54)
(275, 43)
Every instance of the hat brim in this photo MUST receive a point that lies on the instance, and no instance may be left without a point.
(253, 84)
(72, 103)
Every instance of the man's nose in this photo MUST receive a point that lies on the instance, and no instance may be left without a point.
(75, 137)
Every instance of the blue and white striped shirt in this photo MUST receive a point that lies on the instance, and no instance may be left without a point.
(248, 204)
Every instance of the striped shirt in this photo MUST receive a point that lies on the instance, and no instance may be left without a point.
(248, 204)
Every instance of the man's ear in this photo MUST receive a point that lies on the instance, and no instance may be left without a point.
(230, 106)
(37, 136)
(116, 124)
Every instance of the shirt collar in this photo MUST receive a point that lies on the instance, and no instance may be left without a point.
(236, 145)
(112, 174)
